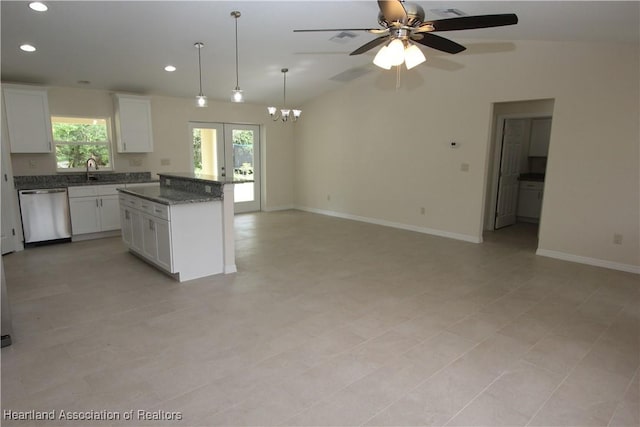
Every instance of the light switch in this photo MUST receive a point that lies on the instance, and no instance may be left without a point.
(464, 167)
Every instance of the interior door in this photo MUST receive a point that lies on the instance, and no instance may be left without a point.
(230, 151)
(513, 138)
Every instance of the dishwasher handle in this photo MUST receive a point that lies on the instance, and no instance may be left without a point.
(53, 190)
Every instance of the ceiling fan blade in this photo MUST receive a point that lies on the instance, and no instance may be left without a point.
(368, 46)
(393, 11)
(469, 22)
(439, 43)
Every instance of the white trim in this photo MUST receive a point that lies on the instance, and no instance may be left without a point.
(629, 268)
(424, 230)
(229, 269)
(278, 208)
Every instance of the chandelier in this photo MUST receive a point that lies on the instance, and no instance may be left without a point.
(285, 113)
(236, 94)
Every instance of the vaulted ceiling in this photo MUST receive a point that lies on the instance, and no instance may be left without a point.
(124, 45)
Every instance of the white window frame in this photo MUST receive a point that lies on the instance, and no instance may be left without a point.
(107, 143)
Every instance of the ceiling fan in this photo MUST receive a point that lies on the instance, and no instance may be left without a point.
(403, 24)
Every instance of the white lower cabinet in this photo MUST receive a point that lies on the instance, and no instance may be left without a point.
(530, 201)
(94, 209)
(183, 239)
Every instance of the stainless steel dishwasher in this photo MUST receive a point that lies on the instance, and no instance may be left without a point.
(45, 215)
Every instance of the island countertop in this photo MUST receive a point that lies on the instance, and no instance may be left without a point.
(168, 195)
(200, 177)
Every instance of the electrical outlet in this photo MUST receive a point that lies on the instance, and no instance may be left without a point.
(165, 162)
(167, 182)
(135, 162)
(464, 167)
(33, 164)
(422, 211)
(617, 239)
(207, 189)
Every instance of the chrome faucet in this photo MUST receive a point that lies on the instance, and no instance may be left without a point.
(95, 166)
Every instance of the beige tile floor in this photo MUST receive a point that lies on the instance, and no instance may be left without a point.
(328, 322)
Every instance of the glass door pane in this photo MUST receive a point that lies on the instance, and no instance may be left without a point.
(243, 145)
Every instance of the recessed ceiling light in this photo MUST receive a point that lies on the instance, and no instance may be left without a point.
(38, 6)
(170, 68)
(28, 48)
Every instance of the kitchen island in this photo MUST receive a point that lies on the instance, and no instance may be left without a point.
(184, 226)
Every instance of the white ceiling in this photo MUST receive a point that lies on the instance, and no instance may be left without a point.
(124, 45)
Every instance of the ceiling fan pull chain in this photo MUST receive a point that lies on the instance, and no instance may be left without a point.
(398, 68)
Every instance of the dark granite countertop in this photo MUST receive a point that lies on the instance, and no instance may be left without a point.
(203, 177)
(33, 182)
(538, 177)
(168, 196)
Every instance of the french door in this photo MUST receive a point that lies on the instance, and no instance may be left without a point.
(230, 151)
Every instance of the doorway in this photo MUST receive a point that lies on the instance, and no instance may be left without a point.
(517, 167)
(230, 152)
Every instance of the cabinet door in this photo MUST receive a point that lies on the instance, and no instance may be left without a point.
(163, 239)
(127, 226)
(28, 121)
(136, 230)
(109, 213)
(540, 135)
(529, 203)
(85, 216)
(133, 124)
(149, 242)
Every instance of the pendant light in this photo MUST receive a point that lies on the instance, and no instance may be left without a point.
(201, 100)
(285, 113)
(236, 94)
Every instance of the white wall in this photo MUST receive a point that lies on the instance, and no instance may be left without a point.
(170, 117)
(382, 153)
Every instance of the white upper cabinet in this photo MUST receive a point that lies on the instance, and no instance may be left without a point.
(540, 135)
(133, 124)
(28, 120)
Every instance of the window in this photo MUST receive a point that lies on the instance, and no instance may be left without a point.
(78, 139)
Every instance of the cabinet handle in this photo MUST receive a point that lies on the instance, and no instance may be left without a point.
(151, 225)
(100, 202)
(124, 144)
(96, 203)
(126, 215)
(49, 145)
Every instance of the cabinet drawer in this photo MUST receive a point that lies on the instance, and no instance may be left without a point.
(161, 211)
(108, 190)
(84, 191)
(129, 201)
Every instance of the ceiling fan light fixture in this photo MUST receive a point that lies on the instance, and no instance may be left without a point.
(395, 52)
(413, 56)
(381, 59)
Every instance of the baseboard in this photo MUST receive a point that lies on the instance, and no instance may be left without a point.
(278, 208)
(231, 268)
(424, 230)
(91, 236)
(589, 261)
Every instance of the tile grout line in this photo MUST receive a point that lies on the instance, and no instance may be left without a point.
(635, 374)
